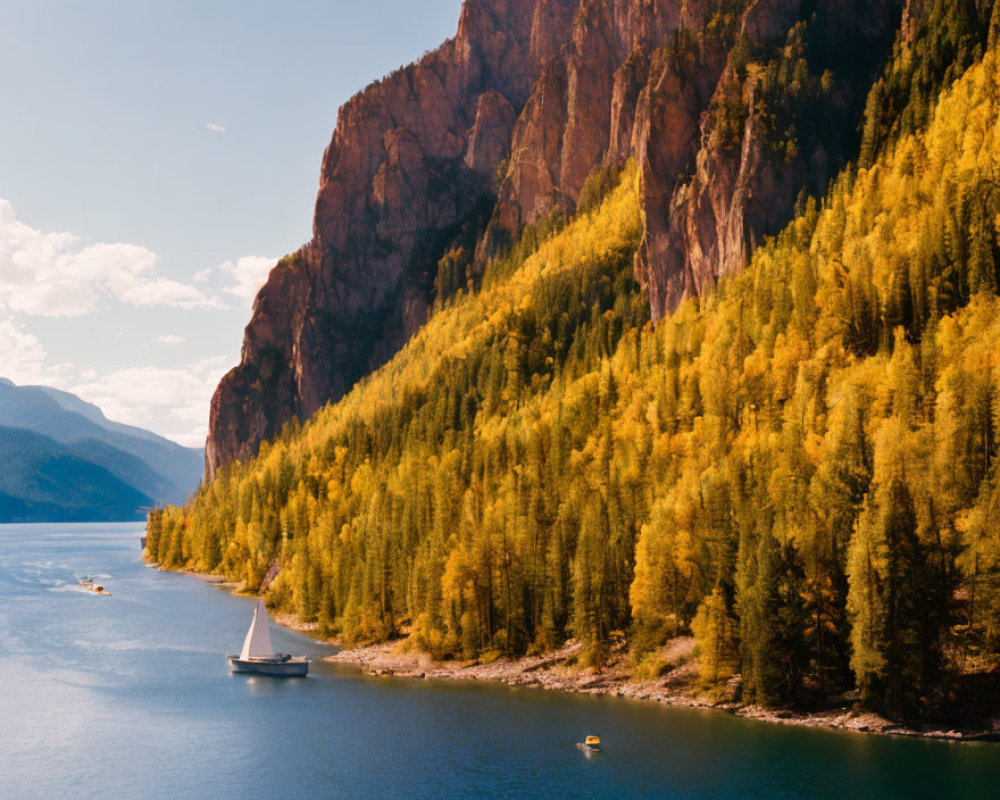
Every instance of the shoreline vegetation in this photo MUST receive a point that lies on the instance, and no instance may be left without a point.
(557, 670)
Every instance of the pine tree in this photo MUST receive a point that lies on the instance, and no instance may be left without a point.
(896, 603)
(715, 630)
(773, 622)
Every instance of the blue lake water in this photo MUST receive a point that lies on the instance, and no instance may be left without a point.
(129, 697)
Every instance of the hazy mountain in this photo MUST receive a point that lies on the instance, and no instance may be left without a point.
(70, 402)
(43, 480)
(145, 468)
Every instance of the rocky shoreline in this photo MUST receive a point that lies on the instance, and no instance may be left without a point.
(557, 670)
(678, 687)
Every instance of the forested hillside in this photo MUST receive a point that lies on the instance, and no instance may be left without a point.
(43, 480)
(799, 466)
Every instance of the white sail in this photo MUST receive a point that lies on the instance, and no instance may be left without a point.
(258, 641)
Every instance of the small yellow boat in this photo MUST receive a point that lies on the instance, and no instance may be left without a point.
(592, 744)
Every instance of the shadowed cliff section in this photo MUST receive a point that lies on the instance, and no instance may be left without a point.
(732, 108)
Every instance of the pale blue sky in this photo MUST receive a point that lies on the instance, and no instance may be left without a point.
(190, 131)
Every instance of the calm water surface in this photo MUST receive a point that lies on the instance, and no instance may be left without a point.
(129, 697)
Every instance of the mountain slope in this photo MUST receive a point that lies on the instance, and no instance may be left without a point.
(799, 466)
(156, 466)
(731, 110)
(127, 468)
(44, 481)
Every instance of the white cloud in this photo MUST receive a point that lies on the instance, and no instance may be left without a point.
(57, 275)
(194, 439)
(145, 395)
(249, 272)
(165, 292)
(215, 127)
(23, 359)
(172, 401)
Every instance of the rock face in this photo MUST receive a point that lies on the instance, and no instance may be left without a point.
(732, 109)
(781, 121)
(412, 157)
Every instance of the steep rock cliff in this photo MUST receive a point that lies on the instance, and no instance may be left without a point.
(733, 109)
(410, 160)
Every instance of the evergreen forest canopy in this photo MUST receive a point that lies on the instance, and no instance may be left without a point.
(798, 467)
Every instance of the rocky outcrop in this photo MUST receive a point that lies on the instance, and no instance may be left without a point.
(653, 80)
(582, 113)
(732, 110)
(781, 121)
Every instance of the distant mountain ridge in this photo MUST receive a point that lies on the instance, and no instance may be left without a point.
(63, 459)
(45, 481)
(70, 402)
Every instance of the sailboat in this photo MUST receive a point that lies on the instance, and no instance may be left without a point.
(259, 657)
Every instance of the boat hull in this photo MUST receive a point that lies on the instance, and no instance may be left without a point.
(292, 668)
